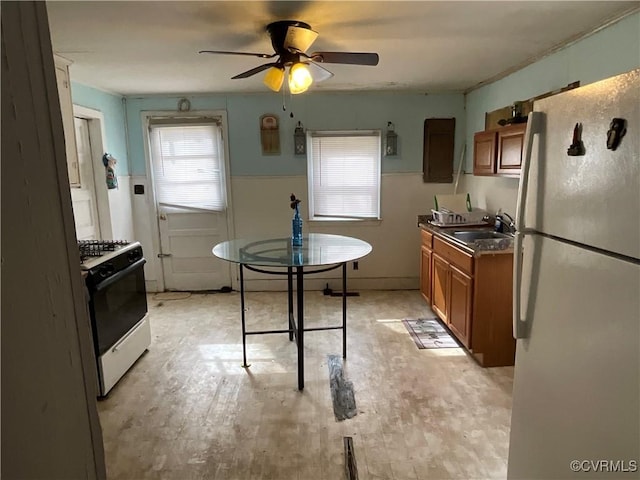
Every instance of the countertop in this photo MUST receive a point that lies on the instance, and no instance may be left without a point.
(477, 248)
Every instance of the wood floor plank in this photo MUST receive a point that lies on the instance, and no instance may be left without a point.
(188, 410)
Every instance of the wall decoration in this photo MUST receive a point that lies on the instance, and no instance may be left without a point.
(391, 141)
(270, 134)
(299, 140)
(184, 105)
(110, 164)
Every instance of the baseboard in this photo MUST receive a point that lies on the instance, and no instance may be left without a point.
(151, 286)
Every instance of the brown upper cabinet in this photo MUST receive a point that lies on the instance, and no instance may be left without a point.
(499, 151)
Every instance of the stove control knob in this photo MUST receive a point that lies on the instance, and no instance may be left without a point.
(106, 270)
(134, 256)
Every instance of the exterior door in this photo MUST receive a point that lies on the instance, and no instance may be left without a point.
(191, 202)
(83, 195)
(186, 239)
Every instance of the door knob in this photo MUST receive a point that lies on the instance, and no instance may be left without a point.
(163, 216)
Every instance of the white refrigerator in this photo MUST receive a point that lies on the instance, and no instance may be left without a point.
(576, 392)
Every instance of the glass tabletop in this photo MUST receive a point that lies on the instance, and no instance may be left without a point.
(317, 249)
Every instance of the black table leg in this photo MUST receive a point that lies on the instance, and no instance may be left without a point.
(244, 329)
(344, 310)
(290, 295)
(300, 332)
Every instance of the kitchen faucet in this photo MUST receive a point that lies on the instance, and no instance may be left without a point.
(501, 223)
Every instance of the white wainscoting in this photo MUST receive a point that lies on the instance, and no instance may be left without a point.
(142, 209)
(261, 207)
(120, 210)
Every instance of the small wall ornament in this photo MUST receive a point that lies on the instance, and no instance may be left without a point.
(109, 164)
(270, 134)
(299, 140)
(391, 147)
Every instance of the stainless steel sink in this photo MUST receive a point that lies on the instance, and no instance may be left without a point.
(480, 239)
(473, 235)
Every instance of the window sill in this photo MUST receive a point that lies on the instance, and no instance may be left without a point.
(326, 222)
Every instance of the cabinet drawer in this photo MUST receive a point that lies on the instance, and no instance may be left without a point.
(460, 259)
(427, 238)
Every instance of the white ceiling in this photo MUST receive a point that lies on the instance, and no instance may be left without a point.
(151, 47)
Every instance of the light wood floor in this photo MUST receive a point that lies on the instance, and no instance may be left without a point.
(188, 410)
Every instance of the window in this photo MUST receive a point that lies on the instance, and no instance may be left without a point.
(188, 164)
(344, 175)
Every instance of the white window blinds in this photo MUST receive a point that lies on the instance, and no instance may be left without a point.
(344, 174)
(188, 166)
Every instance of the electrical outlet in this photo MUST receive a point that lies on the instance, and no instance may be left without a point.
(355, 265)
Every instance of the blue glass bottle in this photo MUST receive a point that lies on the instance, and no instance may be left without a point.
(296, 225)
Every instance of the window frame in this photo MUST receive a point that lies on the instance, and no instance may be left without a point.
(311, 134)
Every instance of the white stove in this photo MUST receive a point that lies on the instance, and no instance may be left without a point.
(95, 252)
(117, 306)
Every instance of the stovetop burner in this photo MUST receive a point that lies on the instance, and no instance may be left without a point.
(97, 248)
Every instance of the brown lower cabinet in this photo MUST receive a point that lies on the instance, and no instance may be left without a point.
(425, 265)
(472, 296)
(460, 298)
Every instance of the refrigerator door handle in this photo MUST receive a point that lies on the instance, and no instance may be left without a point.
(534, 122)
(519, 324)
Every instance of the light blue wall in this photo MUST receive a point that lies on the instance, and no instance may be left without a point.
(316, 111)
(112, 108)
(609, 52)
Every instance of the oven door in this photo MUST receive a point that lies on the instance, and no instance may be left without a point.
(117, 304)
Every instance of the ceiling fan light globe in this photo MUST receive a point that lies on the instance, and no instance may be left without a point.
(274, 78)
(300, 78)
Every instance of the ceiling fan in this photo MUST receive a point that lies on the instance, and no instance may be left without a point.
(290, 40)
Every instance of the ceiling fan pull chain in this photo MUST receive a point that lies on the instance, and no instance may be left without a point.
(284, 101)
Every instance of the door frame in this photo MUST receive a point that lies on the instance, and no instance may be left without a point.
(153, 205)
(97, 137)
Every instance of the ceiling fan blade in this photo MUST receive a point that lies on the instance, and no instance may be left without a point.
(253, 71)
(319, 73)
(221, 52)
(349, 58)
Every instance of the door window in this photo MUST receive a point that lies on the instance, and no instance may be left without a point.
(188, 166)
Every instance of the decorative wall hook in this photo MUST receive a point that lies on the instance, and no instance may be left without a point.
(617, 130)
(577, 147)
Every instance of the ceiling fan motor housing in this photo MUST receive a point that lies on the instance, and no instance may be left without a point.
(278, 32)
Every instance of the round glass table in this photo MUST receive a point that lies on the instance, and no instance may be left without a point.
(320, 252)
